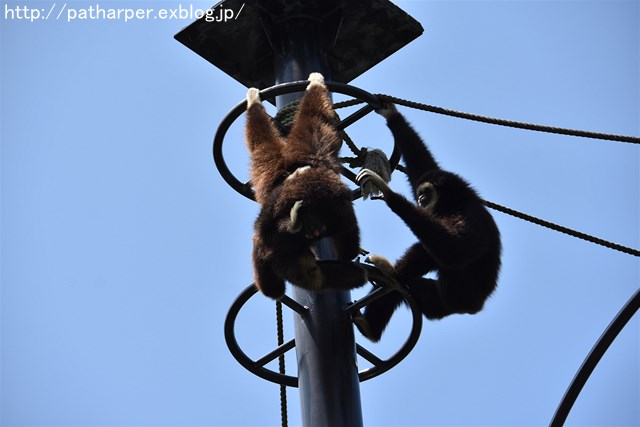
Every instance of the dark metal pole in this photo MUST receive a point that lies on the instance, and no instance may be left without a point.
(325, 343)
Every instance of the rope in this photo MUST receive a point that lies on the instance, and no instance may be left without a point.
(285, 117)
(281, 367)
(564, 230)
(352, 145)
(361, 153)
(555, 227)
(500, 122)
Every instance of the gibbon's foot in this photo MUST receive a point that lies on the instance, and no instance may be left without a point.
(363, 326)
(253, 96)
(387, 110)
(315, 79)
(386, 268)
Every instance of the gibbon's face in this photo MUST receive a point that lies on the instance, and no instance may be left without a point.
(427, 196)
(303, 220)
(312, 226)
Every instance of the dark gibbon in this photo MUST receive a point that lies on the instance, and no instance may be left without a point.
(297, 182)
(458, 239)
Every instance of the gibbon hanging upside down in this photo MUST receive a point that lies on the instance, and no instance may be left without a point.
(457, 238)
(303, 199)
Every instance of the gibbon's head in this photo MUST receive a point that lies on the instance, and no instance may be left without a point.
(427, 196)
(304, 221)
(444, 193)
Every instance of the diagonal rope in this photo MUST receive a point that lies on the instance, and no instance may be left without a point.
(564, 230)
(555, 227)
(527, 126)
(495, 121)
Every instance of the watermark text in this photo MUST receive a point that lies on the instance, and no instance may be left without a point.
(70, 12)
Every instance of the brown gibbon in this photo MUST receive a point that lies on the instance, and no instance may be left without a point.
(297, 183)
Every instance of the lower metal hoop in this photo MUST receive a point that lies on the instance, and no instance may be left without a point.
(380, 366)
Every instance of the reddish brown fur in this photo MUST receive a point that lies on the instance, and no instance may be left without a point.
(281, 245)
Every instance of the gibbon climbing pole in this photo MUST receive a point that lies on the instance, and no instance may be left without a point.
(277, 42)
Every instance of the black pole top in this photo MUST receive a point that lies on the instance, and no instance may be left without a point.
(357, 34)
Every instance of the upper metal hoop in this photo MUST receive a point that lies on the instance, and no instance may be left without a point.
(372, 101)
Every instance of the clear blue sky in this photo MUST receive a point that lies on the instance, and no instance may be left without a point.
(122, 247)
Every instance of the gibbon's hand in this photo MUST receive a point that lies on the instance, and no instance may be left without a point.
(315, 79)
(387, 110)
(253, 96)
(372, 184)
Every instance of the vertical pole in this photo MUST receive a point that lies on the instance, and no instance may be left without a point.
(325, 344)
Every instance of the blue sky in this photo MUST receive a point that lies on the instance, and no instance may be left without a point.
(122, 247)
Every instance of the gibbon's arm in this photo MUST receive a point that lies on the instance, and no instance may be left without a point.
(259, 128)
(316, 103)
(313, 128)
(265, 147)
(452, 244)
(415, 154)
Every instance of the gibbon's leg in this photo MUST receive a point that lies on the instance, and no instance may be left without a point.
(299, 267)
(412, 266)
(341, 275)
(461, 292)
(347, 244)
(415, 263)
(426, 293)
(379, 312)
(455, 292)
(265, 278)
(377, 315)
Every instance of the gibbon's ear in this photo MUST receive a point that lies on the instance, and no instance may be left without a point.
(294, 217)
(253, 96)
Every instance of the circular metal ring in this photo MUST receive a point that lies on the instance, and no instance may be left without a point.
(372, 101)
(236, 351)
(379, 366)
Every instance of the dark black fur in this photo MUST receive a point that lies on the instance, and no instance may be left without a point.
(458, 239)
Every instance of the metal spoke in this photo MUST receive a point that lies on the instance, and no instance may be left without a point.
(276, 353)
